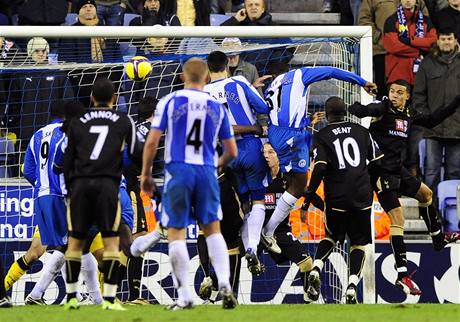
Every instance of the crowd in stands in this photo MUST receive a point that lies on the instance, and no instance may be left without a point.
(414, 40)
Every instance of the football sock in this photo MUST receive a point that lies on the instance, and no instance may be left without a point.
(179, 259)
(357, 257)
(399, 249)
(143, 243)
(203, 254)
(235, 267)
(431, 219)
(64, 277)
(111, 263)
(218, 253)
(90, 276)
(73, 266)
(51, 268)
(255, 223)
(283, 207)
(323, 251)
(134, 271)
(19, 268)
(244, 232)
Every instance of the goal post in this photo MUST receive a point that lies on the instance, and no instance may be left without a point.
(346, 47)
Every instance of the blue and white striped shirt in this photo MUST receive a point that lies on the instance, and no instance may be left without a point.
(286, 95)
(39, 158)
(193, 122)
(241, 99)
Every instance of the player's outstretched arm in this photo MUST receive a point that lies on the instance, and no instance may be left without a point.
(30, 164)
(430, 120)
(372, 109)
(248, 129)
(149, 153)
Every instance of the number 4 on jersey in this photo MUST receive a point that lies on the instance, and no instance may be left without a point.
(194, 136)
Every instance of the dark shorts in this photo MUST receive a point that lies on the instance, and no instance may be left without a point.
(354, 224)
(390, 187)
(291, 248)
(94, 201)
(231, 220)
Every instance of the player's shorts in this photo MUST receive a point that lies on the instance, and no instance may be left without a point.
(292, 147)
(291, 248)
(188, 186)
(356, 224)
(94, 201)
(390, 187)
(139, 213)
(232, 221)
(127, 212)
(50, 215)
(250, 168)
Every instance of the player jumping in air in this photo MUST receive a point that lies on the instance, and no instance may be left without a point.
(250, 168)
(341, 152)
(286, 96)
(393, 118)
(193, 121)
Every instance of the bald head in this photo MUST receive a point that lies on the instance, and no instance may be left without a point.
(195, 71)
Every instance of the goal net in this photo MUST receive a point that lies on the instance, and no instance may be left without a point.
(30, 87)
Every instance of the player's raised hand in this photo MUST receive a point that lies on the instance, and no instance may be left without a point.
(370, 88)
(148, 185)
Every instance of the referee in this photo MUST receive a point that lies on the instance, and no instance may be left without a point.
(92, 167)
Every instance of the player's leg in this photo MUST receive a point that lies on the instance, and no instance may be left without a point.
(23, 263)
(53, 234)
(89, 267)
(176, 213)
(335, 231)
(359, 231)
(292, 148)
(206, 286)
(209, 214)
(432, 219)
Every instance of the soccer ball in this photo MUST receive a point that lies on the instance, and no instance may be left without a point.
(138, 68)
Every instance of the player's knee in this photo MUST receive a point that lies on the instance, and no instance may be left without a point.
(425, 196)
(306, 265)
(396, 216)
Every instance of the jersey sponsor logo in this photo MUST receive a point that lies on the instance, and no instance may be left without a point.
(401, 125)
(397, 133)
(270, 199)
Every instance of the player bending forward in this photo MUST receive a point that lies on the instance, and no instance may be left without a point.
(341, 151)
(193, 121)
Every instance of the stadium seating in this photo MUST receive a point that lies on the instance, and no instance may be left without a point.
(447, 194)
(128, 17)
(217, 19)
(70, 19)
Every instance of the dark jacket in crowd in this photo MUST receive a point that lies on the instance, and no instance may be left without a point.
(151, 18)
(401, 57)
(31, 96)
(43, 12)
(202, 7)
(264, 20)
(449, 18)
(78, 50)
(437, 84)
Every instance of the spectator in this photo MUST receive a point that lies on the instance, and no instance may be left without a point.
(33, 92)
(437, 84)
(433, 7)
(449, 17)
(374, 13)
(253, 14)
(348, 9)
(153, 14)
(111, 12)
(407, 35)
(43, 12)
(88, 50)
(238, 66)
(190, 12)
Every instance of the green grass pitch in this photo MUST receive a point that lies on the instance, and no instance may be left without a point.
(243, 313)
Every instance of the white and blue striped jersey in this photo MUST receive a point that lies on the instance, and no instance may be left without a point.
(286, 95)
(240, 98)
(39, 158)
(193, 121)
